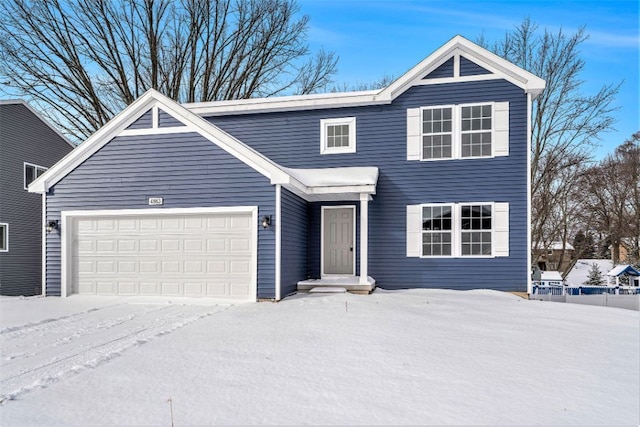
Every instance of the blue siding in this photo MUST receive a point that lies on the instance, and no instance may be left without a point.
(24, 137)
(167, 120)
(185, 169)
(381, 142)
(145, 121)
(294, 242)
(470, 68)
(444, 70)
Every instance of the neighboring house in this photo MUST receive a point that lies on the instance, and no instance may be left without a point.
(626, 252)
(627, 271)
(557, 257)
(551, 278)
(29, 145)
(421, 184)
(579, 274)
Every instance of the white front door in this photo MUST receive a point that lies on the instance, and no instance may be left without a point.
(338, 240)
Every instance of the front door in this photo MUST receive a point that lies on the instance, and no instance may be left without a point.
(338, 240)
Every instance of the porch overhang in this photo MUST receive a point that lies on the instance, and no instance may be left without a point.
(330, 184)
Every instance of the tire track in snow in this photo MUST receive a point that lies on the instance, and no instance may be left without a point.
(95, 344)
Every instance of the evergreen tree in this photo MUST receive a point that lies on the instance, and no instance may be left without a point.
(584, 245)
(595, 276)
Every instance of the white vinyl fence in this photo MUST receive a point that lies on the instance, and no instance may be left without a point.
(627, 297)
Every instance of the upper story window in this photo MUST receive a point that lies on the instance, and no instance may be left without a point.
(338, 135)
(31, 172)
(4, 237)
(458, 131)
(437, 133)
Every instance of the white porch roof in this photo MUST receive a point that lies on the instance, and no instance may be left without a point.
(325, 184)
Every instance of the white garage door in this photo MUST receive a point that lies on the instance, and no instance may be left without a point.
(195, 255)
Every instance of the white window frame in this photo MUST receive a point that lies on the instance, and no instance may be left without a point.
(24, 173)
(493, 227)
(452, 231)
(6, 237)
(456, 131)
(456, 230)
(493, 127)
(454, 120)
(325, 123)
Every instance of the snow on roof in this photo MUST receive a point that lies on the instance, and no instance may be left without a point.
(556, 246)
(551, 275)
(580, 271)
(335, 177)
(622, 269)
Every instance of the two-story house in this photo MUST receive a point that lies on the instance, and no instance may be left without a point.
(29, 145)
(422, 184)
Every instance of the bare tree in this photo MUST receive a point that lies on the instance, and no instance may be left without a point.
(566, 123)
(613, 202)
(83, 61)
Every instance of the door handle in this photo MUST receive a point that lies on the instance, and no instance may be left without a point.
(351, 247)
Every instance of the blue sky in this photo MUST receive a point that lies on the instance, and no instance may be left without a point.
(377, 38)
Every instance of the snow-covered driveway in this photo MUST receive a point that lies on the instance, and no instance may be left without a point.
(407, 357)
(38, 353)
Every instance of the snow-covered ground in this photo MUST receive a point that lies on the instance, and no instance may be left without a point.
(403, 357)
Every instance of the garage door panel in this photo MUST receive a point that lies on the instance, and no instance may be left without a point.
(182, 255)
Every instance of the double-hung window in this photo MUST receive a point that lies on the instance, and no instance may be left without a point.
(458, 230)
(338, 135)
(437, 230)
(459, 131)
(31, 172)
(437, 133)
(476, 229)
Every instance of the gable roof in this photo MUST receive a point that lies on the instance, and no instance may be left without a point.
(39, 116)
(619, 270)
(458, 46)
(306, 185)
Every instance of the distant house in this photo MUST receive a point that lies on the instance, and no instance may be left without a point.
(401, 187)
(626, 253)
(29, 145)
(551, 278)
(556, 257)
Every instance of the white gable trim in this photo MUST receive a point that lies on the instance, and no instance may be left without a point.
(454, 48)
(193, 123)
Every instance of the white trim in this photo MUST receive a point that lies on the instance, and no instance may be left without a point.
(6, 236)
(325, 123)
(158, 131)
(456, 130)
(44, 245)
(456, 229)
(456, 66)
(529, 237)
(278, 220)
(24, 173)
(455, 47)
(322, 211)
(154, 117)
(461, 79)
(67, 223)
(364, 238)
(39, 116)
(454, 127)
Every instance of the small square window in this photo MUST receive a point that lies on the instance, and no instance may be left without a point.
(338, 135)
(31, 172)
(4, 237)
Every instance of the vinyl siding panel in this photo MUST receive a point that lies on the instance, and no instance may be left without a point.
(470, 68)
(166, 120)
(293, 140)
(294, 242)
(23, 138)
(444, 70)
(143, 122)
(185, 169)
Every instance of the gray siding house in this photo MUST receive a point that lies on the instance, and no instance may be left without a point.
(422, 184)
(29, 145)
